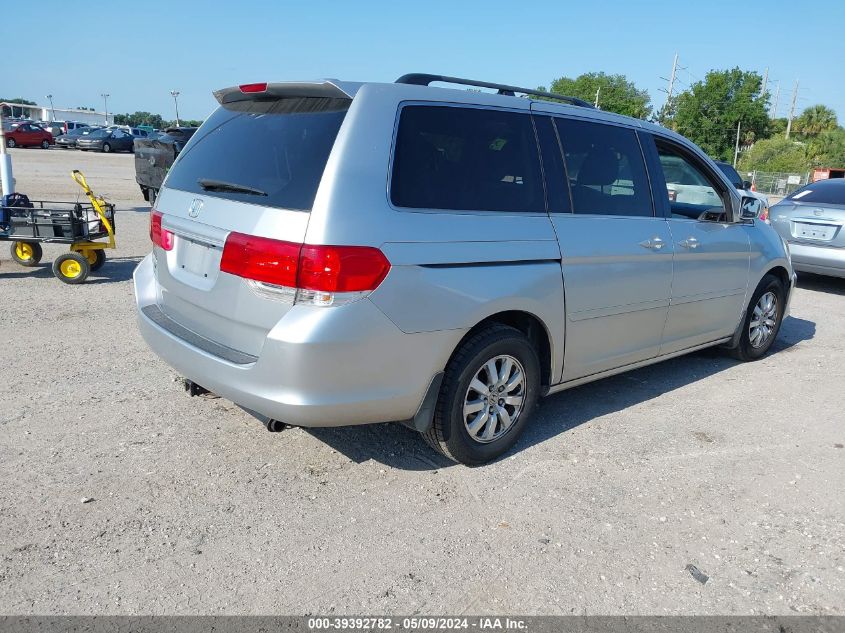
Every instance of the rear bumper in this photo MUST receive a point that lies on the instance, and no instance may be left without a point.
(821, 260)
(318, 366)
(793, 280)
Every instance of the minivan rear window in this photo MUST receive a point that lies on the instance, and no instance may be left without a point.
(466, 159)
(272, 152)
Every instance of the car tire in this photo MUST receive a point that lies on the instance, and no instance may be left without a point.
(762, 320)
(10, 142)
(106, 148)
(467, 433)
(45, 144)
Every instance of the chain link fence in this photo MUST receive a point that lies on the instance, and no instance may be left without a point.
(778, 183)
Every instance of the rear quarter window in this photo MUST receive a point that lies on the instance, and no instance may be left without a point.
(279, 147)
(463, 158)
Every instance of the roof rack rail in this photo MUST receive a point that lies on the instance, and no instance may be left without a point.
(423, 79)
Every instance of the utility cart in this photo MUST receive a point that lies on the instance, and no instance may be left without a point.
(88, 228)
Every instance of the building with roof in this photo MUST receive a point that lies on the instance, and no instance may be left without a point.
(47, 113)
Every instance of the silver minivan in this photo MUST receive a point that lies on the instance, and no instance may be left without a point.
(332, 253)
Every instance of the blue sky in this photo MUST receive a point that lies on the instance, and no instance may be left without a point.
(146, 49)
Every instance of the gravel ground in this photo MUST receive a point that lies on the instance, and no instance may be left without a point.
(613, 492)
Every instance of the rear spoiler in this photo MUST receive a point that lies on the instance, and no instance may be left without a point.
(328, 88)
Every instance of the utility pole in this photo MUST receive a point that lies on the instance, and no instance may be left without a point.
(663, 115)
(598, 90)
(792, 109)
(736, 147)
(52, 109)
(105, 96)
(672, 79)
(175, 95)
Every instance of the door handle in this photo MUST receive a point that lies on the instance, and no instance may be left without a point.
(690, 242)
(654, 243)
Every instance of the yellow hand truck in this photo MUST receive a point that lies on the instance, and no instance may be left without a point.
(88, 229)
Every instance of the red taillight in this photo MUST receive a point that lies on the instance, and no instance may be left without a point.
(260, 87)
(261, 259)
(341, 268)
(159, 236)
(303, 266)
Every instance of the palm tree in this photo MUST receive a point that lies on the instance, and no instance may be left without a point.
(815, 120)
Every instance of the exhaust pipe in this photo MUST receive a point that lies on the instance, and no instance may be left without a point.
(275, 426)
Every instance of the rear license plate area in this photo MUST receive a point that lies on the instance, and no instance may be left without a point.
(807, 231)
(196, 263)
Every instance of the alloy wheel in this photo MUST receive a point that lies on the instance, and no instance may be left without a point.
(763, 320)
(494, 399)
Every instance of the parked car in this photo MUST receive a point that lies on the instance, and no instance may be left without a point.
(155, 154)
(11, 124)
(56, 128)
(28, 135)
(68, 141)
(745, 187)
(335, 253)
(68, 126)
(811, 221)
(106, 141)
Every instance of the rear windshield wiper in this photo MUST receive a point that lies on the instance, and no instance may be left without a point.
(218, 185)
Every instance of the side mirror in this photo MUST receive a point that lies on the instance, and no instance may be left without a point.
(746, 184)
(751, 208)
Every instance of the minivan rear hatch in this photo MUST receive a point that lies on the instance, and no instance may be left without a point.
(254, 168)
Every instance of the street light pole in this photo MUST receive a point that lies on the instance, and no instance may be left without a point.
(52, 109)
(175, 95)
(105, 96)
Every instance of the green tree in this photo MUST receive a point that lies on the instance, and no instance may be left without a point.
(184, 123)
(140, 118)
(667, 112)
(777, 126)
(827, 149)
(775, 154)
(709, 111)
(815, 120)
(18, 100)
(616, 93)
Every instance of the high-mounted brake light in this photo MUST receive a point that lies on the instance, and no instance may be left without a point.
(159, 236)
(260, 87)
(317, 274)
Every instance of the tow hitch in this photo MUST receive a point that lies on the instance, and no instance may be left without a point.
(193, 389)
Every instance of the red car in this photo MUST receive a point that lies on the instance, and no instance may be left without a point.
(29, 135)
